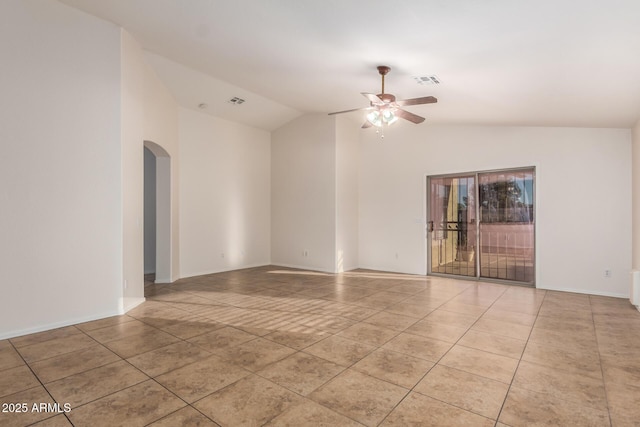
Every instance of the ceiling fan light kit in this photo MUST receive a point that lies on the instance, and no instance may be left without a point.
(384, 109)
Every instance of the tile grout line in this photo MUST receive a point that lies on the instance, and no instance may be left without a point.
(604, 384)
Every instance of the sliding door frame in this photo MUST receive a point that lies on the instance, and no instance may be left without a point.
(427, 205)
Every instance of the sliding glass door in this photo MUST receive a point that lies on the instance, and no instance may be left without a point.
(452, 225)
(481, 225)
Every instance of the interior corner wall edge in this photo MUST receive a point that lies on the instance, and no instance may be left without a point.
(225, 194)
(303, 202)
(149, 113)
(61, 246)
(347, 160)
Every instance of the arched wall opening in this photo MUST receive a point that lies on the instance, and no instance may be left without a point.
(158, 235)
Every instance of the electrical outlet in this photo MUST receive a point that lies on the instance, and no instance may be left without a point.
(222, 255)
(607, 273)
(305, 253)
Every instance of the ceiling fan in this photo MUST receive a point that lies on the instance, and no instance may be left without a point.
(385, 109)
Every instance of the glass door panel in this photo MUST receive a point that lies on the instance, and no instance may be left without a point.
(507, 225)
(452, 225)
(482, 225)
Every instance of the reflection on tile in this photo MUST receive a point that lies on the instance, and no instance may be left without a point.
(563, 385)
(256, 354)
(33, 395)
(491, 343)
(9, 357)
(91, 385)
(103, 323)
(17, 379)
(137, 405)
(119, 330)
(192, 328)
(416, 346)
(500, 327)
(623, 401)
(342, 351)
(134, 345)
(56, 421)
(419, 410)
(396, 368)
(221, 339)
(415, 310)
(310, 414)
(252, 401)
(451, 318)
(54, 347)
(368, 334)
(510, 316)
(67, 364)
(489, 365)
(194, 381)
(429, 329)
(567, 340)
(168, 358)
(186, 416)
(360, 397)
(464, 390)
(41, 337)
(296, 340)
(585, 363)
(528, 408)
(302, 373)
(394, 321)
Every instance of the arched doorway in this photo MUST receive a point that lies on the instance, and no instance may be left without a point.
(157, 215)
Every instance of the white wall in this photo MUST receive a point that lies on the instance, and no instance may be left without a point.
(161, 126)
(347, 159)
(636, 195)
(303, 204)
(149, 113)
(225, 189)
(60, 215)
(583, 196)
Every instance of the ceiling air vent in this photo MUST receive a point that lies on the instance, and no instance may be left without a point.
(235, 101)
(428, 80)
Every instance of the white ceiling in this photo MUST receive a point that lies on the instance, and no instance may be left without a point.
(501, 62)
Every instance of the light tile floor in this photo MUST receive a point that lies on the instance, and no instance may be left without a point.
(273, 346)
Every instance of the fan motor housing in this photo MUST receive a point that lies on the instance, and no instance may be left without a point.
(387, 98)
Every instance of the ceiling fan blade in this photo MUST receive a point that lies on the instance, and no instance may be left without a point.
(408, 116)
(348, 111)
(366, 124)
(375, 99)
(417, 101)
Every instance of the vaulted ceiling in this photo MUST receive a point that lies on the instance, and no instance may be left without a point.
(500, 62)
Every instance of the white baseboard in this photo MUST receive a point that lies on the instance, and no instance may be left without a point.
(128, 303)
(586, 292)
(56, 325)
(204, 273)
(301, 267)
